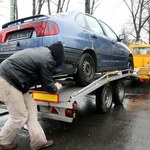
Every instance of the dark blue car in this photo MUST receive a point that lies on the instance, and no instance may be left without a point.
(90, 45)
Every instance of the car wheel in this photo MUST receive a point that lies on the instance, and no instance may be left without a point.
(130, 64)
(118, 91)
(104, 98)
(85, 71)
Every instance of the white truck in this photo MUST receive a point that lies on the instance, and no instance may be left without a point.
(104, 91)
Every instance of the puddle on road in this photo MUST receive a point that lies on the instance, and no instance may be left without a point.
(137, 100)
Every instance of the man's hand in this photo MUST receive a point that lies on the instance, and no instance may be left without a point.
(58, 85)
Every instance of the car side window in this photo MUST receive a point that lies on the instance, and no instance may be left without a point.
(94, 25)
(109, 32)
(80, 20)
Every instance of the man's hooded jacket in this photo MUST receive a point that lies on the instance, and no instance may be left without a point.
(29, 66)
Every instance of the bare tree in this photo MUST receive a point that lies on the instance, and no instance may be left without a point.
(87, 6)
(95, 4)
(67, 5)
(147, 26)
(34, 7)
(49, 8)
(13, 10)
(91, 6)
(137, 9)
(60, 4)
(40, 4)
(37, 6)
(125, 33)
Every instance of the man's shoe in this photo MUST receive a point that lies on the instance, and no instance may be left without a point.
(48, 144)
(9, 146)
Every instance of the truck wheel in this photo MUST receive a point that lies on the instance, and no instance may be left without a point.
(104, 98)
(118, 91)
(85, 71)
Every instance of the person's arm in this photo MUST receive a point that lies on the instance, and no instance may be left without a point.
(47, 79)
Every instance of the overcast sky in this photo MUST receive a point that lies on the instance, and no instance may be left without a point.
(112, 12)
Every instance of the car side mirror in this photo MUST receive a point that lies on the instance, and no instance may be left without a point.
(121, 37)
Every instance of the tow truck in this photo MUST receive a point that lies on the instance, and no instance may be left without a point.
(108, 88)
(141, 55)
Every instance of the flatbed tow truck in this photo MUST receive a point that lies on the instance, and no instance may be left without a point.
(63, 106)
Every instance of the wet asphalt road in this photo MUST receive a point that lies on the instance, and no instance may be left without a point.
(125, 127)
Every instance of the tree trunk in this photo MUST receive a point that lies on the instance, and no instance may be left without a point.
(92, 8)
(58, 6)
(49, 8)
(87, 6)
(67, 5)
(39, 7)
(16, 10)
(34, 9)
(61, 7)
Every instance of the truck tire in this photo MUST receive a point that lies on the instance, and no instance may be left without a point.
(104, 98)
(118, 92)
(85, 71)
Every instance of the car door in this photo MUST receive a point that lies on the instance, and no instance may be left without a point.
(119, 52)
(101, 43)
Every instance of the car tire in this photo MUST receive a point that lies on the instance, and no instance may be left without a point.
(104, 98)
(85, 71)
(118, 91)
(130, 64)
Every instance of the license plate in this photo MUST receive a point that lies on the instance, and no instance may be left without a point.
(22, 34)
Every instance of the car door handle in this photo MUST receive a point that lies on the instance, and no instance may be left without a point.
(112, 42)
(94, 36)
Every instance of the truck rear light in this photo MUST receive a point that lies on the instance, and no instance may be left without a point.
(69, 113)
(74, 106)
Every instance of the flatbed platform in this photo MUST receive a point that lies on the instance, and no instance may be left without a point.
(65, 108)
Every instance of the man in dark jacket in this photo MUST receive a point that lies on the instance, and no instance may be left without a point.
(18, 73)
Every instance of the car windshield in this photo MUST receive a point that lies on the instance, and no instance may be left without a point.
(141, 50)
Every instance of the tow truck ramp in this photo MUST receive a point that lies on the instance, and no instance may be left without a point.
(107, 89)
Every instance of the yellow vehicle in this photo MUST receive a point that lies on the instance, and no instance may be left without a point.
(141, 56)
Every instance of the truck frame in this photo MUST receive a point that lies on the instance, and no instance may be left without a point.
(104, 91)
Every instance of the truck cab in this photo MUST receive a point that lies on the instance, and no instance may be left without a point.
(141, 57)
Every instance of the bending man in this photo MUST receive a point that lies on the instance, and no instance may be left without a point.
(18, 73)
